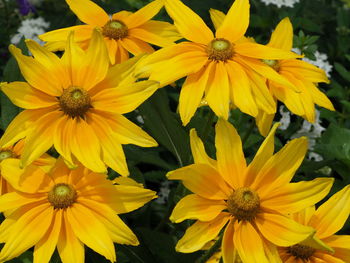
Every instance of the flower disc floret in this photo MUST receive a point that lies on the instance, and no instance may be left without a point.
(62, 196)
(75, 102)
(244, 204)
(272, 63)
(220, 49)
(115, 29)
(6, 154)
(301, 252)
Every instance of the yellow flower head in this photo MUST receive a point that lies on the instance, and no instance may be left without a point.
(14, 152)
(123, 32)
(75, 103)
(252, 201)
(218, 67)
(328, 219)
(302, 74)
(66, 209)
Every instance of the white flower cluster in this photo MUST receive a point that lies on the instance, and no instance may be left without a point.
(30, 29)
(285, 118)
(163, 193)
(280, 3)
(321, 62)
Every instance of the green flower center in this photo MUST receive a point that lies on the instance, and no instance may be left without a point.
(220, 49)
(75, 102)
(272, 63)
(244, 204)
(301, 252)
(5, 155)
(62, 196)
(115, 29)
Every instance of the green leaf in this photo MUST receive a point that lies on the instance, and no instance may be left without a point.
(342, 71)
(165, 126)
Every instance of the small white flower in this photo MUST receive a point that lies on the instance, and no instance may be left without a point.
(163, 193)
(280, 3)
(285, 118)
(30, 29)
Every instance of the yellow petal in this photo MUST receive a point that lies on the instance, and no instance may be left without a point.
(195, 207)
(86, 146)
(252, 251)
(144, 14)
(124, 99)
(88, 12)
(189, 24)
(236, 21)
(117, 229)
(303, 217)
(282, 36)
(22, 236)
(136, 46)
(264, 122)
(331, 216)
(49, 60)
(44, 249)
(280, 168)
(191, 94)
(218, 90)
(122, 54)
(264, 153)
(229, 154)
(112, 151)
(318, 96)
(294, 197)
(203, 180)
(326, 258)
(26, 97)
(198, 150)
(281, 230)
(127, 132)
(200, 233)
(90, 231)
(158, 33)
(37, 74)
(229, 253)
(112, 48)
(217, 17)
(241, 90)
(254, 50)
(40, 137)
(15, 200)
(341, 246)
(69, 247)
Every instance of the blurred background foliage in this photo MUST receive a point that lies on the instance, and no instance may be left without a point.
(319, 25)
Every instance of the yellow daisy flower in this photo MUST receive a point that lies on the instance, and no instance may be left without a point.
(328, 219)
(250, 202)
(123, 32)
(75, 103)
(215, 66)
(14, 153)
(66, 209)
(302, 74)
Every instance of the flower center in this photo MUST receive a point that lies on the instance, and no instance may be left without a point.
(244, 204)
(272, 63)
(301, 252)
(115, 29)
(5, 154)
(75, 102)
(62, 195)
(220, 49)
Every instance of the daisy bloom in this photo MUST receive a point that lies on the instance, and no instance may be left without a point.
(123, 32)
(75, 103)
(250, 202)
(14, 153)
(302, 74)
(218, 67)
(66, 209)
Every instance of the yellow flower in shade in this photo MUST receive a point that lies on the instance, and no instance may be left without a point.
(123, 32)
(75, 103)
(328, 219)
(14, 152)
(250, 202)
(302, 74)
(66, 209)
(217, 67)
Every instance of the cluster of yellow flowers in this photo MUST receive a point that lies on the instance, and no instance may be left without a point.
(75, 103)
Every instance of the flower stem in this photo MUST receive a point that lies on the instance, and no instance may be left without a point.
(210, 252)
